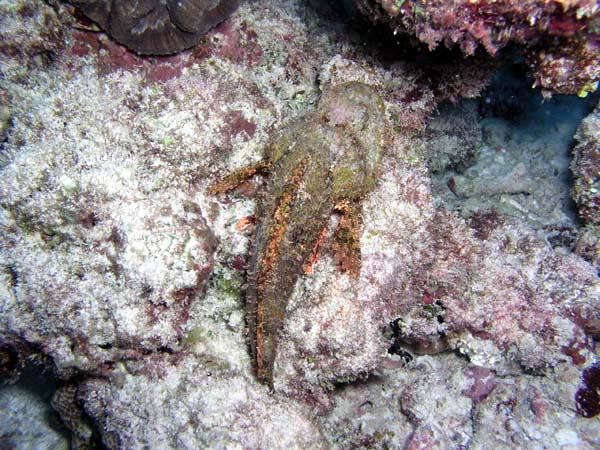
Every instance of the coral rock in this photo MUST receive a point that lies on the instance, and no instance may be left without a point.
(586, 167)
(561, 37)
(154, 27)
(586, 188)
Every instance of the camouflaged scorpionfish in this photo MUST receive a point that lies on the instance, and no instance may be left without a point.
(322, 164)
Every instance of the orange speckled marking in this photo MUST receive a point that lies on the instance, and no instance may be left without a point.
(245, 223)
(281, 219)
(316, 253)
(273, 249)
(235, 178)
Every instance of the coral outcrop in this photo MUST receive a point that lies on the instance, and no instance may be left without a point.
(452, 138)
(586, 190)
(206, 404)
(561, 38)
(586, 167)
(154, 27)
(32, 34)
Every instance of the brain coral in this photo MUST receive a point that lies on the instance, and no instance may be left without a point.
(157, 27)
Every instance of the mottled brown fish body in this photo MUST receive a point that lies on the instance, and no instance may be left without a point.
(324, 162)
(293, 211)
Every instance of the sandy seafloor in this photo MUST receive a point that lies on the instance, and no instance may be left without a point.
(470, 325)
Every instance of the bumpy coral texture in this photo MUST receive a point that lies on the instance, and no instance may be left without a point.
(586, 167)
(561, 38)
(586, 189)
(121, 270)
(202, 405)
(44, 39)
(155, 27)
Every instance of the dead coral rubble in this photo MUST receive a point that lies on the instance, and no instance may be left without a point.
(561, 38)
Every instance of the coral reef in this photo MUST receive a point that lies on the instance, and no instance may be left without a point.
(499, 299)
(561, 38)
(4, 115)
(88, 213)
(452, 138)
(588, 397)
(523, 144)
(413, 92)
(124, 274)
(64, 402)
(38, 46)
(26, 411)
(585, 167)
(204, 404)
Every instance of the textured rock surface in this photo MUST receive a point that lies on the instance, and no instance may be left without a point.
(31, 35)
(585, 167)
(108, 252)
(30, 399)
(561, 38)
(119, 268)
(195, 402)
(155, 27)
(524, 145)
(452, 139)
(586, 189)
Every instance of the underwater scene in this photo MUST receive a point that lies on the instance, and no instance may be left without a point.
(299, 224)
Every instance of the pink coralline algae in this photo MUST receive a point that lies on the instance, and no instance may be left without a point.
(232, 40)
(561, 38)
(111, 56)
(239, 44)
(484, 382)
(585, 167)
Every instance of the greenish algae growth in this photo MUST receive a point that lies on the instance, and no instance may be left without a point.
(195, 336)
